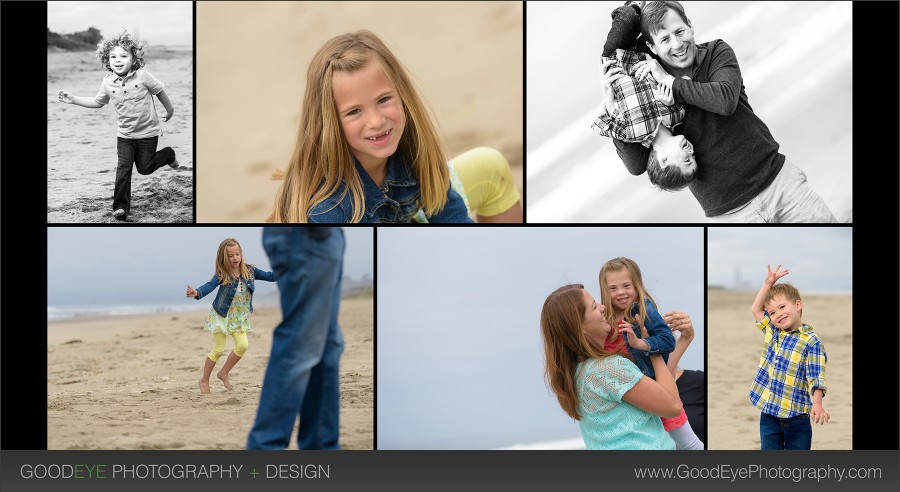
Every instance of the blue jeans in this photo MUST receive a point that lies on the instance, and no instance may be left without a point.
(302, 377)
(140, 153)
(785, 433)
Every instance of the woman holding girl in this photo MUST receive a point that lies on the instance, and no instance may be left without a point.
(596, 380)
(616, 406)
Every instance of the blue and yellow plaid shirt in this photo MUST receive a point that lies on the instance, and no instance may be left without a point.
(792, 365)
(638, 114)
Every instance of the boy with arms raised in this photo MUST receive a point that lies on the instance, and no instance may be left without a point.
(790, 381)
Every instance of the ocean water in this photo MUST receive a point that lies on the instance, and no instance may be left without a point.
(58, 313)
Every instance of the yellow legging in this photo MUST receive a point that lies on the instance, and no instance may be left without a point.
(240, 345)
(485, 181)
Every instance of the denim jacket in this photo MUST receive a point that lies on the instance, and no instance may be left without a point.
(226, 293)
(397, 201)
(660, 339)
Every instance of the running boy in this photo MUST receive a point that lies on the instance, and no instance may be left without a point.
(131, 88)
(790, 382)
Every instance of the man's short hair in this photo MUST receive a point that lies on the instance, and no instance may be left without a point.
(653, 14)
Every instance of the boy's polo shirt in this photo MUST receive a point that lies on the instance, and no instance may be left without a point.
(132, 95)
(791, 366)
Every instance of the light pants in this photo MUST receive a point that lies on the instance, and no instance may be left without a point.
(788, 199)
(240, 345)
(484, 179)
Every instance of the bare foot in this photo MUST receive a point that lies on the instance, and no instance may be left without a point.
(225, 380)
(204, 387)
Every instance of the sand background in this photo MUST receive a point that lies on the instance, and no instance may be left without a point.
(132, 382)
(465, 57)
(735, 345)
(81, 143)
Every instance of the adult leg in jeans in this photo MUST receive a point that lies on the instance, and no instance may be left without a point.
(126, 150)
(147, 159)
(319, 415)
(307, 263)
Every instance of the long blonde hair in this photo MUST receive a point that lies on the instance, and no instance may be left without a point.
(615, 265)
(223, 268)
(566, 344)
(322, 160)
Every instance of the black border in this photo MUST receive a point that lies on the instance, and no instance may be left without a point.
(875, 229)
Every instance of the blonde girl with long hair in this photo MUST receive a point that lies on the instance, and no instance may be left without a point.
(615, 404)
(368, 151)
(629, 306)
(230, 310)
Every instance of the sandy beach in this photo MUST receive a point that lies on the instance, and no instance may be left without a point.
(465, 57)
(735, 345)
(81, 144)
(131, 382)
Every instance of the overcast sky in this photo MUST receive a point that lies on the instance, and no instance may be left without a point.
(159, 23)
(820, 259)
(153, 265)
(460, 360)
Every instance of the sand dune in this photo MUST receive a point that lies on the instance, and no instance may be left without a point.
(131, 382)
(734, 349)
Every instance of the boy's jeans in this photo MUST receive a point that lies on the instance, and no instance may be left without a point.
(302, 375)
(785, 433)
(788, 199)
(140, 152)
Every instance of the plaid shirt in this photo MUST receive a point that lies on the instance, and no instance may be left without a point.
(638, 114)
(792, 365)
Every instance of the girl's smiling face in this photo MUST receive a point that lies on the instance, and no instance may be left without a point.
(120, 60)
(371, 113)
(621, 289)
(233, 256)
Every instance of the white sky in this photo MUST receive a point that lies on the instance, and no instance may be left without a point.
(159, 23)
(153, 265)
(819, 258)
(460, 360)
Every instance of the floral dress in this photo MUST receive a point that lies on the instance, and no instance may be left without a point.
(237, 318)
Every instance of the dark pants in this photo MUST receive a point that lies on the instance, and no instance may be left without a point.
(140, 152)
(302, 376)
(625, 32)
(785, 433)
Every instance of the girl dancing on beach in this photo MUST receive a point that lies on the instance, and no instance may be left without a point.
(131, 89)
(367, 150)
(627, 303)
(231, 308)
